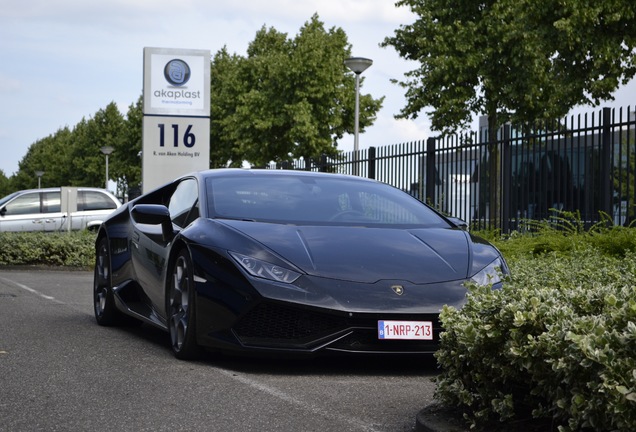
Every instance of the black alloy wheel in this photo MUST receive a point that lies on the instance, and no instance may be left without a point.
(103, 301)
(181, 308)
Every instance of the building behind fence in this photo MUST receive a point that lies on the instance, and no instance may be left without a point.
(584, 165)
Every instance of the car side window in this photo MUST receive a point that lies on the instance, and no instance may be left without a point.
(94, 200)
(184, 203)
(24, 204)
(51, 202)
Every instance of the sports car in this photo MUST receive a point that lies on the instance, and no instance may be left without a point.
(274, 262)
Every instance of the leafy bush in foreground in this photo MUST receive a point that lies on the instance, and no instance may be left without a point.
(74, 249)
(557, 342)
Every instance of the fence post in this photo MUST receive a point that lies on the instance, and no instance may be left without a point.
(606, 161)
(430, 172)
(371, 163)
(506, 178)
(323, 163)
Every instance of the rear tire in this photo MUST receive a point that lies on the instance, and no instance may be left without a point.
(106, 314)
(181, 309)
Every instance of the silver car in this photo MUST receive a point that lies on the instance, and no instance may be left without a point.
(56, 209)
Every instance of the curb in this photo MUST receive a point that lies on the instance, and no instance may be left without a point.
(435, 418)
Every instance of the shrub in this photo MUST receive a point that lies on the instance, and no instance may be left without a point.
(564, 234)
(557, 342)
(74, 249)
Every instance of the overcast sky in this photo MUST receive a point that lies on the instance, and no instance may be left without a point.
(63, 60)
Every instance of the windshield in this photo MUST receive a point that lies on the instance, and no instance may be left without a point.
(320, 199)
(4, 200)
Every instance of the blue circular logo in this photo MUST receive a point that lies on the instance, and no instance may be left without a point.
(177, 72)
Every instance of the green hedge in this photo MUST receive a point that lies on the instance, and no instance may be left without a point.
(74, 249)
(558, 342)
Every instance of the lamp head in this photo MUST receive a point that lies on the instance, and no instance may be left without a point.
(358, 64)
(107, 150)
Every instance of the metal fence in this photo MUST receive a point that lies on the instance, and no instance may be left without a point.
(584, 165)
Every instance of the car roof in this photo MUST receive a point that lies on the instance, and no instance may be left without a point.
(56, 189)
(245, 172)
(15, 194)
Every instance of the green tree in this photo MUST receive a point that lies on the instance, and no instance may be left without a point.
(512, 60)
(5, 186)
(125, 162)
(88, 162)
(50, 155)
(286, 99)
(225, 85)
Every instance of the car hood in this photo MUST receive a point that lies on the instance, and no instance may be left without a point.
(367, 254)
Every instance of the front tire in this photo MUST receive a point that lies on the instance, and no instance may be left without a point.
(180, 304)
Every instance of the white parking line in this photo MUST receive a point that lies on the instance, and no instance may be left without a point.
(31, 290)
(357, 423)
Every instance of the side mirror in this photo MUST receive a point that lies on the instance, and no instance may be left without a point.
(154, 214)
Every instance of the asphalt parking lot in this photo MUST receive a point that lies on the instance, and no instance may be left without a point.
(62, 372)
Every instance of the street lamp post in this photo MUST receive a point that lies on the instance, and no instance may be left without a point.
(107, 150)
(357, 65)
(39, 174)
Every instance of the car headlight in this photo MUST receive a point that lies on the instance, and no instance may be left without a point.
(491, 274)
(265, 270)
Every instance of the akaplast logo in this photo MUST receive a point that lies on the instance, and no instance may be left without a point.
(177, 72)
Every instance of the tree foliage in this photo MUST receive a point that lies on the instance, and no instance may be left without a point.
(5, 187)
(72, 157)
(523, 61)
(287, 98)
(49, 155)
(513, 60)
(126, 160)
(103, 130)
(225, 85)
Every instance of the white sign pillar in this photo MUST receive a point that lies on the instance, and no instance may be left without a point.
(176, 108)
